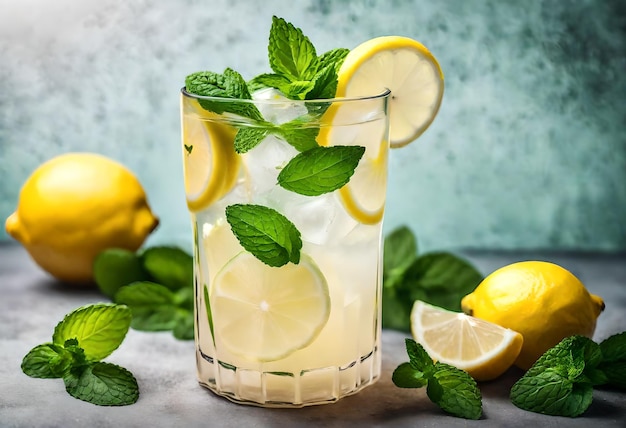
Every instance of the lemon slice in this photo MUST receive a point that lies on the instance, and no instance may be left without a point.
(408, 70)
(483, 349)
(210, 165)
(264, 313)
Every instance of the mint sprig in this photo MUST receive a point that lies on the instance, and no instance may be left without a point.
(157, 308)
(298, 72)
(438, 278)
(452, 389)
(320, 170)
(83, 338)
(265, 233)
(156, 284)
(562, 380)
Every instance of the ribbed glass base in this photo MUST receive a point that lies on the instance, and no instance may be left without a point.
(285, 389)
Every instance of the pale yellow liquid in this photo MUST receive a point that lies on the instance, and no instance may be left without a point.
(345, 356)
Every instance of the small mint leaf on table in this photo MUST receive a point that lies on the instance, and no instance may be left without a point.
(320, 170)
(452, 389)
(47, 361)
(549, 393)
(400, 251)
(152, 305)
(116, 267)
(613, 364)
(406, 376)
(561, 380)
(291, 53)
(103, 384)
(418, 357)
(265, 233)
(98, 328)
(455, 391)
(168, 266)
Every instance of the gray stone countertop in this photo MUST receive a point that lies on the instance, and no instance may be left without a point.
(31, 304)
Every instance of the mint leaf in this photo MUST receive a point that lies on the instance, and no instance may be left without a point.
(614, 348)
(455, 391)
(265, 233)
(405, 376)
(99, 328)
(418, 357)
(269, 80)
(103, 384)
(116, 267)
(561, 380)
(550, 393)
(47, 361)
(450, 388)
(152, 305)
(320, 170)
(168, 266)
(229, 85)
(613, 364)
(300, 137)
(333, 58)
(323, 85)
(248, 138)
(184, 327)
(291, 53)
(207, 305)
(567, 358)
(400, 250)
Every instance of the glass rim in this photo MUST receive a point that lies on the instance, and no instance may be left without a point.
(385, 94)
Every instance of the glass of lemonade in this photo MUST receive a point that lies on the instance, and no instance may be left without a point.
(287, 208)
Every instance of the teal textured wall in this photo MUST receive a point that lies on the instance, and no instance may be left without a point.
(528, 149)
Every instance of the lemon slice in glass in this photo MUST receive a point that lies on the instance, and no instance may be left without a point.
(210, 165)
(263, 313)
(483, 349)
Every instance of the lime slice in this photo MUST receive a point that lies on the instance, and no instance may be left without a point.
(408, 70)
(211, 165)
(264, 313)
(483, 349)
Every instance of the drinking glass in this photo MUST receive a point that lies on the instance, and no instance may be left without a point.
(277, 325)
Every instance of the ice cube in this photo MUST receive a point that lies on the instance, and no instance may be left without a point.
(264, 163)
(321, 220)
(278, 108)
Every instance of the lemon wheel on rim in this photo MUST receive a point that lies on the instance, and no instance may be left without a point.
(411, 73)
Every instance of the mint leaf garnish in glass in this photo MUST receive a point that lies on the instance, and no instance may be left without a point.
(265, 233)
(320, 170)
(84, 337)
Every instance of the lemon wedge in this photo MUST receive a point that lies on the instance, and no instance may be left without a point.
(210, 165)
(405, 67)
(263, 313)
(483, 349)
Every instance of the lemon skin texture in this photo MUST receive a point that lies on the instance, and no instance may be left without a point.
(76, 205)
(541, 300)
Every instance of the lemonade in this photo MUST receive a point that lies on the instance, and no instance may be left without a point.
(285, 178)
(302, 333)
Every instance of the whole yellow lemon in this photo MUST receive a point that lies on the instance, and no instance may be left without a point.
(76, 205)
(541, 300)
